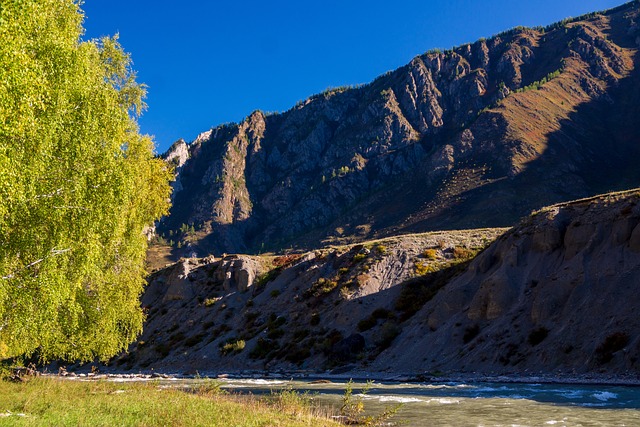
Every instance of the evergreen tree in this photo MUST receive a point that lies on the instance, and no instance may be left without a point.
(78, 184)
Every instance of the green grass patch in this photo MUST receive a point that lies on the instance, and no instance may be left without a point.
(55, 402)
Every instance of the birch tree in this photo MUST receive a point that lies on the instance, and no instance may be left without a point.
(78, 183)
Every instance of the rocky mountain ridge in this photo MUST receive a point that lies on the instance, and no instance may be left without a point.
(555, 294)
(454, 139)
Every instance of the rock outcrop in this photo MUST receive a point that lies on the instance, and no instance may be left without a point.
(294, 311)
(556, 294)
(476, 136)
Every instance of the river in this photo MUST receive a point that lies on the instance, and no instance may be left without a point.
(477, 404)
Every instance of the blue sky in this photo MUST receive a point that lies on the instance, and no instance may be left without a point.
(211, 62)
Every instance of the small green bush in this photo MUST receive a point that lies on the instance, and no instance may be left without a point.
(430, 253)
(359, 257)
(209, 302)
(232, 346)
(424, 268)
(321, 287)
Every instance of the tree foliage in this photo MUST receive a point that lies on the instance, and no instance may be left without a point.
(78, 184)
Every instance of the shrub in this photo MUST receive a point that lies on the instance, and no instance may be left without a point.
(470, 333)
(430, 253)
(208, 387)
(163, 349)
(389, 331)
(176, 338)
(263, 348)
(292, 402)
(208, 324)
(359, 257)
(352, 409)
(460, 252)
(300, 334)
(382, 249)
(274, 293)
(193, 340)
(612, 344)
(315, 319)
(367, 323)
(321, 287)
(274, 321)
(275, 333)
(286, 260)
(382, 313)
(232, 346)
(208, 302)
(332, 337)
(297, 354)
(250, 316)
(538, 335)
(266, 277)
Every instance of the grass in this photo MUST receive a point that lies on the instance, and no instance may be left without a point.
(51, 401)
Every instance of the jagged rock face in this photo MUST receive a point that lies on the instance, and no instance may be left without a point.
(177, 155)
(292, 312)
(450, 140)
(558, 293)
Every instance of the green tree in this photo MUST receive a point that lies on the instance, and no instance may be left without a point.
(78, 185)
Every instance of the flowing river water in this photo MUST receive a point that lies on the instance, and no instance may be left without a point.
(476, 404)
(462, 404)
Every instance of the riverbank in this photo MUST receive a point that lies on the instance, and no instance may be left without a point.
(628, 379)
(48, 400)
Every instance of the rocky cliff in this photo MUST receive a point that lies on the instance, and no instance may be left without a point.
(475, 136)
(555, 294)
(558, 293)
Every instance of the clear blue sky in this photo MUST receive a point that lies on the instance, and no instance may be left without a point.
(210, 62)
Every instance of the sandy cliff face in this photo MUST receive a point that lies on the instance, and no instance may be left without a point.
(301, 311)
(556, 293)
(559, 292)
(451, 140)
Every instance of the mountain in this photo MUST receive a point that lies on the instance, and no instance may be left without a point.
(476, 136)
(554, 295)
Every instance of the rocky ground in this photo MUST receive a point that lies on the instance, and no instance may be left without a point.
(320, 309)
(554, 297)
